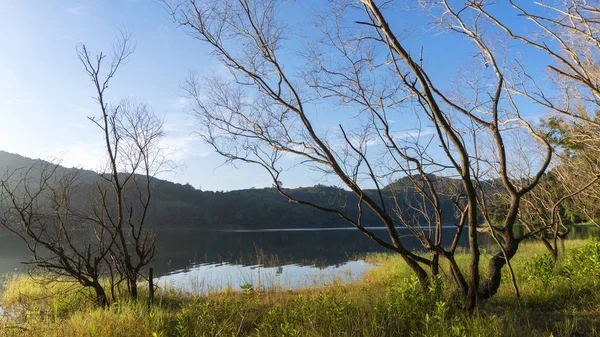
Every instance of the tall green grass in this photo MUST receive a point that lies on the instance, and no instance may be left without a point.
(557, 300)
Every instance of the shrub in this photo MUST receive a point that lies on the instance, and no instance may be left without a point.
(583, 263)
(540, 268)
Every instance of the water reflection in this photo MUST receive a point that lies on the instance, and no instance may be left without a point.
(294, 257)
(181, 250)
(210, 277)
(230, 257)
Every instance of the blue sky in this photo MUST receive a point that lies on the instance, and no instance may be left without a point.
(45, 97)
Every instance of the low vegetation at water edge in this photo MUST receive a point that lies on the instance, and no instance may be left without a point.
(561, 299)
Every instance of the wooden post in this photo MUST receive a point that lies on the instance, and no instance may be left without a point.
(151, 286)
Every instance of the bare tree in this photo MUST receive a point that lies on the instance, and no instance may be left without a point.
(567, 33)
(40, 206)
(131, 135)
(263, 116)
(578, 170)
(103, 235)
(564, 36)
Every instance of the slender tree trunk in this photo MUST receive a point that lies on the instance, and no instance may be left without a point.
(151, 287)
(457, 276)
(553, 251)
(473, 283)
(133, 288)
(511, 245)
(561, 238)
(435, 264)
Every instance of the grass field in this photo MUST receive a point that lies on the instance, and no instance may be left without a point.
(561, 300)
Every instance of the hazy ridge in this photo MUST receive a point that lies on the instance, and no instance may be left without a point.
(181, 206)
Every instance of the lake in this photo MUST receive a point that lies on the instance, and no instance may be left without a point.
(200, 260)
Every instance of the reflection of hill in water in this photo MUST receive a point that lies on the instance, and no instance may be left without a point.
(181, 249)
(178, 250)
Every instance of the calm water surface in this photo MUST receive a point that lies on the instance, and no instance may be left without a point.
(209, 277)
(200, 261)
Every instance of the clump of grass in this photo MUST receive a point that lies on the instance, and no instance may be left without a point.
(561, 300)
(120, 319)
(42, 295)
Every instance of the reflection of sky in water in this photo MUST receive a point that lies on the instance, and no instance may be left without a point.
(212, 277)
(181, 251)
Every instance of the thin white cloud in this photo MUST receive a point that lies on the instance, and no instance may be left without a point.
(181, 102)
(184, 147)
(179, 123)
(181, 142)
(413, 134)
(263, 183)
(79, 10)
(80, 109)
(77, 126)
(87, 155)
(92, 156)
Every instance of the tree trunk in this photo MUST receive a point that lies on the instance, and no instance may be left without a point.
(435, 264)
(101, 298)
(151, 286)
(473, 283)
(419, 271)
(562, 239)
(133, 286)
(553, 251)
(490, 287)
(457, 276)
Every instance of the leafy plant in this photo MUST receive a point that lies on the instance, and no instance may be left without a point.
(540, 268)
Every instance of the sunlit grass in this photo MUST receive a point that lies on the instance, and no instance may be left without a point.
(561, 301)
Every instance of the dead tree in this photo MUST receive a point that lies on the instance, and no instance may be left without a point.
(131, 134)
(566, 187)
(578, 170)
(264, 116)
(100, 233)
(565, 37)
(40, 206)
(277, 121)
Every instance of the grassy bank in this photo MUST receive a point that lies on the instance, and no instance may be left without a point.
(561, 301)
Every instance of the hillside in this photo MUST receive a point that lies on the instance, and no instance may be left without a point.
(177, 206)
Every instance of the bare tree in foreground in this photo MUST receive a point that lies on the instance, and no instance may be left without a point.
(131, 134)
(265, 116)
(40, 206)
(103, 236)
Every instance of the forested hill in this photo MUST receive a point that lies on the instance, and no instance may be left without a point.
(177, 206)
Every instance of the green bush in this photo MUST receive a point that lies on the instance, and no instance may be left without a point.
(541, 269)
(583, 263)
